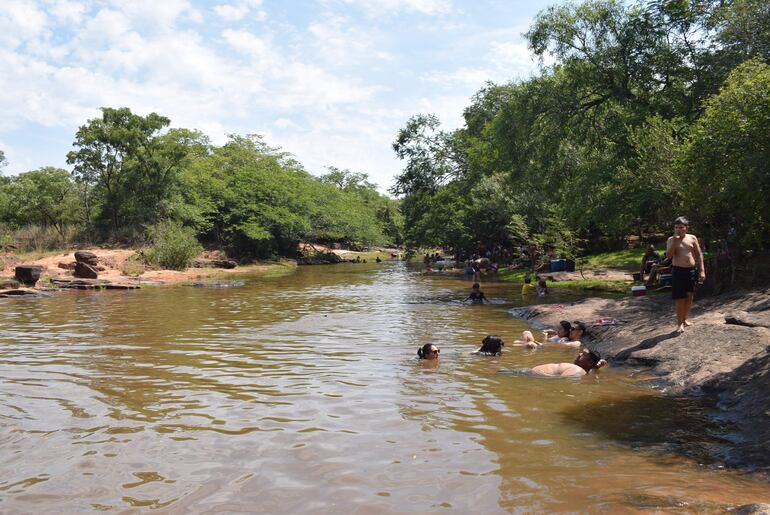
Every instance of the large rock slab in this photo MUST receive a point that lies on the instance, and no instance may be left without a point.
(28, 274)
(85, 271)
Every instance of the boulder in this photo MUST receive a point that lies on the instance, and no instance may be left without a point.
(28, 274)
(67, 266)
(85, 271)
(223, 263)
(89, 258)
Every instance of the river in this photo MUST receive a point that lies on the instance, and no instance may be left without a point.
(303, 394)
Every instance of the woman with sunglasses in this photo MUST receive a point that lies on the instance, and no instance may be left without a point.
(428, 351)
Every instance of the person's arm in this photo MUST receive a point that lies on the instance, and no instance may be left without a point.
(569, 344)
(699, 256)
(670, 247)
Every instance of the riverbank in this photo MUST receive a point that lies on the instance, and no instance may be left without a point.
(121, 266)
(724, 355)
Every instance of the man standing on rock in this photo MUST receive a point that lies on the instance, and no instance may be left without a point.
(683, 250)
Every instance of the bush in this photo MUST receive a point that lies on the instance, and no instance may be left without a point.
(133, 266)
(39, 238)
(173, 246)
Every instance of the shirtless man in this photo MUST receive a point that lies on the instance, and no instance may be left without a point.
(684, 252)
(586, 361)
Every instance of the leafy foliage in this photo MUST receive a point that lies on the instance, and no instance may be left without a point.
(638, 120)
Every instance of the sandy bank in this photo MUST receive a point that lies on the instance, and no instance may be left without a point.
(113, 261)
(725, 354)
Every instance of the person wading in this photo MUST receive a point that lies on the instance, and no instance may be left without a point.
(684, 251)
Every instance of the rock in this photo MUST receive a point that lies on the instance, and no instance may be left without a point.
(22, 293)
(320, 259)
(217, 284)
(88, 258)
(761, 319)
(223, 263)
(753, 509)
(8, 283)
(28, 275)
(67, 266)
(214, 263)
(111, 286)
(85, 271)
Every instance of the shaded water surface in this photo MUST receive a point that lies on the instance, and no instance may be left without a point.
(302, 394)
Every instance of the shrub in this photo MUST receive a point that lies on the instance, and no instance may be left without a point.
(133, 266)
(173, 246)
(39, 238)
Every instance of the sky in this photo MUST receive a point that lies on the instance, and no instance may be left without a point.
(330, 81)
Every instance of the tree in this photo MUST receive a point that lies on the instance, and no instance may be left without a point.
(725, 162)
(126, 166)
(45, 197)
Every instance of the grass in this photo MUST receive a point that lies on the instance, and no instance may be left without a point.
(628, 259)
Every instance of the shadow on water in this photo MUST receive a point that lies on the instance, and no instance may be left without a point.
(660, 425)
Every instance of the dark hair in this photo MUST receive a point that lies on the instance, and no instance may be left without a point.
(579, 325)
(566, 325)
(424, 351)
(476, 285)
(681, 221)
(527, 279)
(542, 283)
(492, 345)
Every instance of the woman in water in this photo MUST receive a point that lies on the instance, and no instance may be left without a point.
(560, 334)
(491, 345)
(428, 351)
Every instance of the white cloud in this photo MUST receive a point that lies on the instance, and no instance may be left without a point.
(237, 11)
(375, 8)
(21, 22)
(67, 11)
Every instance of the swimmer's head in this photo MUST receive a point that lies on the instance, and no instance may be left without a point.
(588, 360)
(564, 328)
(491, 344)
(527, 279)
(577, 331)
(476, 286)
(527, 336)
(428, 351)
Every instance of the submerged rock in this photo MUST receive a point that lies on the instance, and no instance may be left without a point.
(217, 284)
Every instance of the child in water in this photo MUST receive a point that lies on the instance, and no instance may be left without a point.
(476, 296)
(527, 287)
(542, 288)
(527, 340)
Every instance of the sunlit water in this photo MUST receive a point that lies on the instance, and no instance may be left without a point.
(303, 394)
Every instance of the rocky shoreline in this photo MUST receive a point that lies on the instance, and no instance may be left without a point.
(725, 355)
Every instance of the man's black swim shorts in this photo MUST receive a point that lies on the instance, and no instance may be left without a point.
(682, 281)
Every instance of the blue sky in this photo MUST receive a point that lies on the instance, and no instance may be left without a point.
(330, 81)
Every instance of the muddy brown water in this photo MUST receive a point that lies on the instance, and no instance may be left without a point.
(303, 394)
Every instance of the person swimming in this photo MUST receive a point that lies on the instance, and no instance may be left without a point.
(476, 296)
(527, 340)
(560, 334)
(586, 361)
(428, 351)
(491, 345)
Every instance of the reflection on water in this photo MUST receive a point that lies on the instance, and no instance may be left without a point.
(304, 394)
